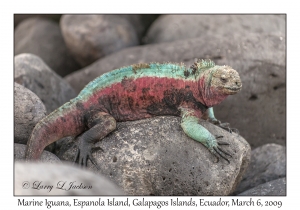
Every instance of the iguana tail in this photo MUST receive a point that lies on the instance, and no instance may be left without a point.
(64, 121)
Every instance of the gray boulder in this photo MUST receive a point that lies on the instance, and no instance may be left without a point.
(34, 74)
(168, 28)
(154, 157)
(273, 188)
(259, 59)
(18, 18)
(28, 111)
(140, 22)
(59, 179)
(268, 162)
(47, 157)
(42, 37)
(90, 37)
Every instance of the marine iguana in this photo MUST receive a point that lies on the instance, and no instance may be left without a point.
(136, 92)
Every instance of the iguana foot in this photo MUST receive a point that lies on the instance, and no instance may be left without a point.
(84, 154)
(214, 121)
(217, 151)
(221, 142)
(225, 126)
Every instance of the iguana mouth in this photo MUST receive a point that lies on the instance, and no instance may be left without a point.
(233, 88)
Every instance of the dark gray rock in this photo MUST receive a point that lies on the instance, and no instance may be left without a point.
(28, 111)
(30, 174)
(47, 157)
(268, 162)
(273, 188)
(140, 22)
(34, 74)
(154, 157)
(18, 18)
(43, 38)
(168, 28)
(258, 111)
(90, 37)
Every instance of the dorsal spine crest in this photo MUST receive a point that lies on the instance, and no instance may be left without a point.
(204, 64)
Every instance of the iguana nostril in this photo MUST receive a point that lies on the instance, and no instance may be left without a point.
(238, 83)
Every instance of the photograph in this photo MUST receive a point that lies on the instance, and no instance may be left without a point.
(135, 106)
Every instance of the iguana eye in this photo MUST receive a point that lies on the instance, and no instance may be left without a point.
(223, 78)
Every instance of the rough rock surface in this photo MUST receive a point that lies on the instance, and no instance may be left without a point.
(34, 74)
(60, 176)
(154, 157)
(19, 154)
(168, 28)
(268, 162)
(90, 37)
(43, 38)
(272, 188)
(28, 111)
(259, 59)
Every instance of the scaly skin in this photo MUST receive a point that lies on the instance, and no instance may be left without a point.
(137, 92)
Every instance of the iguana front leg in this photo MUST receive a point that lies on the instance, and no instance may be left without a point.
(190, 125)
(225, 126)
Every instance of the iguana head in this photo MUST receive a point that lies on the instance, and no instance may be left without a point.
(225, 79)
(217, 82)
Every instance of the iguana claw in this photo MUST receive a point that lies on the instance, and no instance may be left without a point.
(217, 137)
(220, 152)
(226, 153)
(223, 143)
